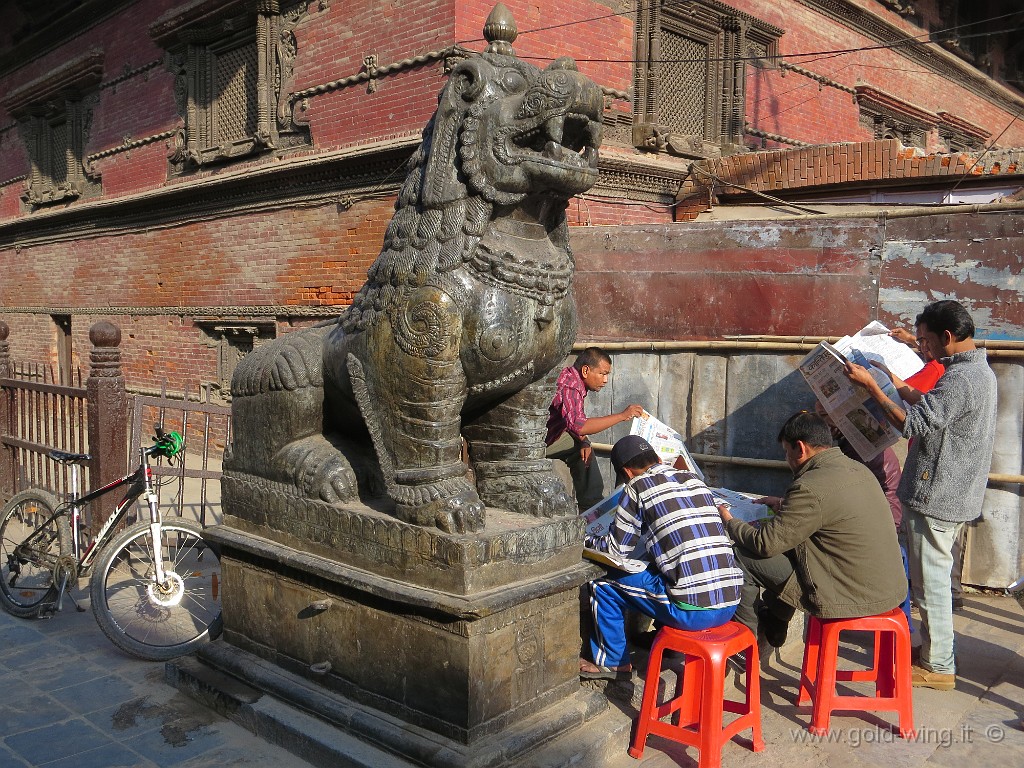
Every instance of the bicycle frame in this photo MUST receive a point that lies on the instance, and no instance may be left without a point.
(141, 484)
(153, 586)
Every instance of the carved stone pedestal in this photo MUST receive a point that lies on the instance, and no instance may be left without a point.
(448, 650)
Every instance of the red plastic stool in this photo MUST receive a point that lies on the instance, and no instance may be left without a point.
(890, 672)
(700, 699)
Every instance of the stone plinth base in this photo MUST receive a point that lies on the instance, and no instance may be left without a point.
(469, 641)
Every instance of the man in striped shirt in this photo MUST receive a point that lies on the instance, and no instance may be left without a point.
(677, 558)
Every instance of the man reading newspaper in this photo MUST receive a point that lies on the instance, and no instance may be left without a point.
(830, 550)
(668, 529)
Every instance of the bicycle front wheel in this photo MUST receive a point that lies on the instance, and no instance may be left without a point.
(158, 621)
(30, 545)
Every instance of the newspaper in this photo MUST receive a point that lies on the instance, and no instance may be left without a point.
(874, 342)
(742, 506)
(855, 413)
(599, 517)
(666, 442)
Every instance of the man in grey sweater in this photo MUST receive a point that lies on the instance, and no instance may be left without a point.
(946, 471)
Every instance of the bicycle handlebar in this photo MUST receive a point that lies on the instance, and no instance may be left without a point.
(166, 444)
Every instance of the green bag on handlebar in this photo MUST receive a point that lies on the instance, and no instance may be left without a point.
(170, 444)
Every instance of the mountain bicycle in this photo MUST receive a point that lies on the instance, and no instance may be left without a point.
(154, 587)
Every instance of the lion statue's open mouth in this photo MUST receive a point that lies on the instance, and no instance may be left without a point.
(565, 141)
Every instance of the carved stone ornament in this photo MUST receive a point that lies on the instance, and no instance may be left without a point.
(462, 325)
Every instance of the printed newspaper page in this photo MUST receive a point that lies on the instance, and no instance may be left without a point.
(874, 342)
(742, 506)
(857, 415)
(664, 440)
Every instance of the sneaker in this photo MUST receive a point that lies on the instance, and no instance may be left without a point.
(923, 678)
(737, 664)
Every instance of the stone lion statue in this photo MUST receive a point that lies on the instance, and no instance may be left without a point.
(462, 324)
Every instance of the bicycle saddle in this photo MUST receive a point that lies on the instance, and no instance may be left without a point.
(69, 458)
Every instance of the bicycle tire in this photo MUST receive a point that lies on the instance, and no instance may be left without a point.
(26, 583)
(145, 620)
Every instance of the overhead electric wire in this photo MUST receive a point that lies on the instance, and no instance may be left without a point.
(924, 37)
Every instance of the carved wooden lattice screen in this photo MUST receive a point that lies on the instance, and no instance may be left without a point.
(690, 72)
(235, 103)
(59, 159)
(685, 66)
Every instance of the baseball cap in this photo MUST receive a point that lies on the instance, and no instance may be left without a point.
(625, 450)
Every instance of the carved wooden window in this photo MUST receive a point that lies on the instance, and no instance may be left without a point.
(54, 115)
(888, 117)
(233, 340)
(233, 64)
(690, 75)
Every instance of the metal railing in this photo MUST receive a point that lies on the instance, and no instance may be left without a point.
(194, 483)
(41, 415)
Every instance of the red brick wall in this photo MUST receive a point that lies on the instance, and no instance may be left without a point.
(301, 257)
(319, 255)
(601, 43)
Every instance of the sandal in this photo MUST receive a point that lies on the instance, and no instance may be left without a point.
(597, 672)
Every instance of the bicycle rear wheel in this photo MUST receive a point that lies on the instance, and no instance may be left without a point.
(158, 621)
(30, 545)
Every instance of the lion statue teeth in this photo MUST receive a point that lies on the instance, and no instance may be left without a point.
(462, 325)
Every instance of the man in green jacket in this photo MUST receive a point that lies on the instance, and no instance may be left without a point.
(830, 550)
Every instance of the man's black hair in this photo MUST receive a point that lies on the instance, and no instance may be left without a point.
(947, 315)
(592, 357)
(807, 427)
(642, 461)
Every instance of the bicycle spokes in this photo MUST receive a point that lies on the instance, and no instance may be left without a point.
(154, 618)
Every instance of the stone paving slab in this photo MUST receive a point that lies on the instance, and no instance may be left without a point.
(73, 700)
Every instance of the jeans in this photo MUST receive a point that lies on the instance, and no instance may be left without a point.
(613, 595)
(906, 601)
(930, 554)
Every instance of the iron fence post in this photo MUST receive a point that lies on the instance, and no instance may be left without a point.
(6, 451)
(108, 411)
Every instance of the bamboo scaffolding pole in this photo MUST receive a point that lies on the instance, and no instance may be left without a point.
(741, 461)
(994, 349)
(911, 211)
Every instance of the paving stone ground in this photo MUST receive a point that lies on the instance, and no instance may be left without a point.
(976, 725)
(71, 699)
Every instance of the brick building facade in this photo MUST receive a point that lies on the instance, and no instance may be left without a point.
(209, 174)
